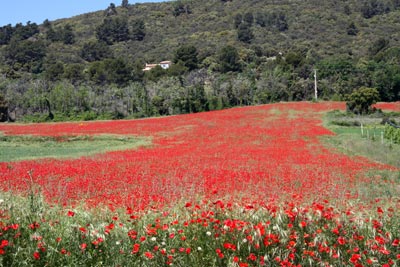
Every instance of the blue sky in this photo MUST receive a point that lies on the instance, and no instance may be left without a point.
(15, 11)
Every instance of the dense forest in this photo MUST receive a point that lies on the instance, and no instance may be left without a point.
(225, 53)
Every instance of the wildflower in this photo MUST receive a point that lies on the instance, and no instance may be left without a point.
(252, 257)
(4, 243)
(341, 240)
(70, 213)
(36, 255)
(230, 246)
(34, 225)
(148, 255)
(136, 248)
(83, 246)
(355, 257)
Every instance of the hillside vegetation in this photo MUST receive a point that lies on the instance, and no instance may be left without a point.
(225, 53)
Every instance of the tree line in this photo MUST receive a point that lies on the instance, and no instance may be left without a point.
(36, 85)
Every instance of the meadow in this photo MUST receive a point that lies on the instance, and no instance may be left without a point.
(250, 186)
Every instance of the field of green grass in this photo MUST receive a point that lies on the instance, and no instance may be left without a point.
(365, 141)
(14, 148)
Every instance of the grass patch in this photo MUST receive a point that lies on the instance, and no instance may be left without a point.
(350, 140)
(14, 148)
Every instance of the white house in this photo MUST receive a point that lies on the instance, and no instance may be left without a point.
(163, 64)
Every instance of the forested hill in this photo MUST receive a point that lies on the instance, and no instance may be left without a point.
(225, 53)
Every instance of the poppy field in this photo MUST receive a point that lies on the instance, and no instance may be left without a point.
(251, 186)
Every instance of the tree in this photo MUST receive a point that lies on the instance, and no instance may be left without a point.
(371, 8)
(238, 20)
(74, 72)
(26, 54)
(187, 54)
(229, 59)
(111, 10)
(281, 22)
(377, 46)
(94, 51)
(111, 70)
(181, 8)
(113, 30)
(245, 34)
(138, 30)
(361, 100)
(3, 109)
(67, 35)
(54, 71)
(22, 32)
(125, 4)
(6, 33)
(248, 18)
(352, 29)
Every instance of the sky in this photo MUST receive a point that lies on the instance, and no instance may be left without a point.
(22, 11)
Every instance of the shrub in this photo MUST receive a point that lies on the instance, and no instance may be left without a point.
(361, 100)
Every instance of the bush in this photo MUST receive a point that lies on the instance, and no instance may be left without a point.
(361, 100)
(392, 133)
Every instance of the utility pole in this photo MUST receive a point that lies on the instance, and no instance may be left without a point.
(315, 84)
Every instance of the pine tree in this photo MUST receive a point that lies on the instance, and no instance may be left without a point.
(125, 3)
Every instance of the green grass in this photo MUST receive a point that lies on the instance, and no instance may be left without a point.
(14, 148)
(351, 141)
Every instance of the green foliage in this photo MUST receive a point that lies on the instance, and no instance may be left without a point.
(15, 148)
(361, 100)
(6, 33)
(64, 34)
(378, 46)
(245, 33)
(349, 139)
(3, 109)
(94, 51)
(187, 55)
(352, 29)
(23, 32)
(138, 30)
(125, 3)
(229, 59)
(386, 78)
(248, 18)
(392, 133)
(111, 10)
(54, 71)
(110, 71)
(113, 29)
(25, 54)
(74, 73)
(181, 7)
(288, 40)
(372, 8)
(274, 20)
